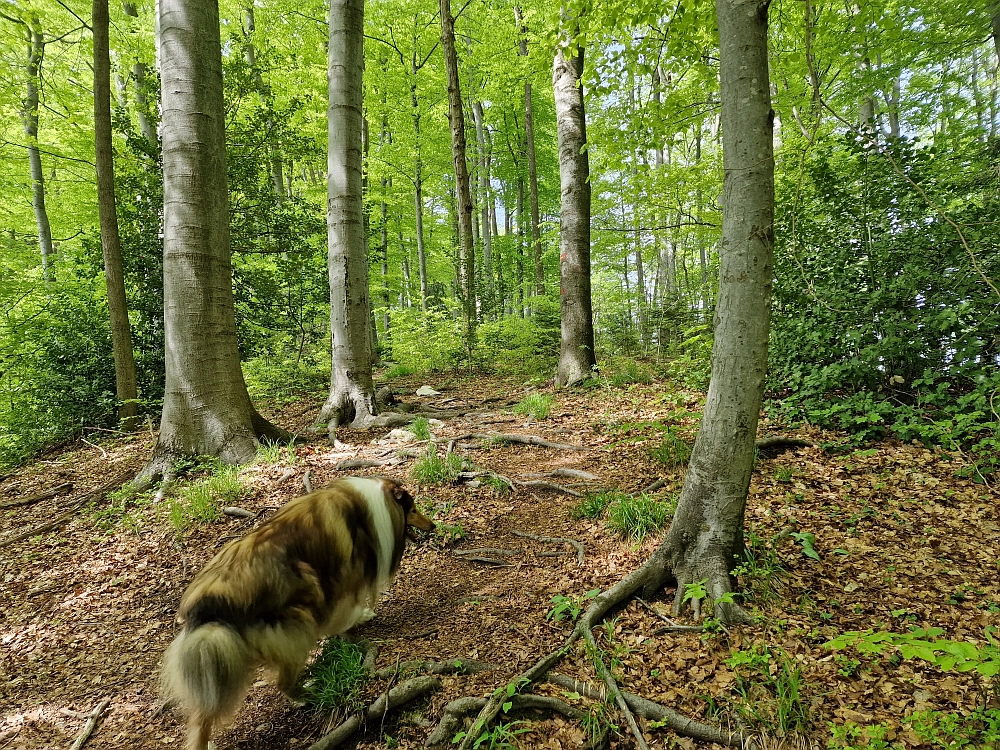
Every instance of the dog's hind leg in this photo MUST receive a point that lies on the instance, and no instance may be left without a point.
(199, 732)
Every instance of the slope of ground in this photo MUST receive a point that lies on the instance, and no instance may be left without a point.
(86, 609)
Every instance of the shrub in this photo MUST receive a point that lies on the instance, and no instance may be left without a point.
(525, 346)
(427, 341)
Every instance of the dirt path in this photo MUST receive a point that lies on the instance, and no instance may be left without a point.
(86, 610)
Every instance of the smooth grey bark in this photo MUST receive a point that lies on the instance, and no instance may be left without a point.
(705, 540)
(147, 121)
(206, 408)
(386, 184)
(121, 335)
(995, 27)
(352, 392)
(577, 360)
(529, 136)
(456, 119)
(418, 168)
(29, 121)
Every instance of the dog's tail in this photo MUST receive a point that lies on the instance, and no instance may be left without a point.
(207, 669)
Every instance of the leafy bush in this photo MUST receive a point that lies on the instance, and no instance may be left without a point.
(278, 380)
(535, 405)
(336, 678)
(625, 371)
(524, 346)
(430, 341)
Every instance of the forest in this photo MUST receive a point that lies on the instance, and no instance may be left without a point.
(673, 326)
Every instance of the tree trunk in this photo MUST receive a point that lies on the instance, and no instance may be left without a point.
(121, 336)
(995, 27)
(264, 91)
(206, 409)
(147, 122)
(418, 195)
(705, 539)
(352, 392)
(576, 352)
(529, 137)
(484, 202)
(29, 121)
(456, 118)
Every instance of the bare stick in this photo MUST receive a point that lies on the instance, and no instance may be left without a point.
(88, 728)
(38, 496)
(648, 709)
(651, 488)
(95, 445)
(237, 512)
(522, 439)
(487, 551)
(285, 476)
(459, 708)
(539, 484)
(488, 561)
(556, 540)
(402, 693)
(307, 482)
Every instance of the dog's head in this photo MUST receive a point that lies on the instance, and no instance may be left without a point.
(414, 517)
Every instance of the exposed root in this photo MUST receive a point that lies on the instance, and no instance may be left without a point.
(578, 546)
(307, 481)
(457, 710)
(653, 711)
(362, 463)
(651, 488)
(397, 696)
(778, 441)
(564, 472)
(452, 667)
(540, 484)
(88, 728)
(487, 551)
(237, 512)
(613, 691)
(38, 496)
(521, 439)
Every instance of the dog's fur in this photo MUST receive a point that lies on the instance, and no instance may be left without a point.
(315, 569)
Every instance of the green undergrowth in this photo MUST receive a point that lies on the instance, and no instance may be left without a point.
(201, 501)
(421, 428)
(769, 691)
(627, 516)
(534, 405)
(336, 678)
(432, 469)
(978, 730)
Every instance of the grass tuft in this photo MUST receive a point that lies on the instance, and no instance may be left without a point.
(200, 501)
(673, 450)
(421, 428)
(336, 678)
(636, 517)
(535, 405)
(430, 469)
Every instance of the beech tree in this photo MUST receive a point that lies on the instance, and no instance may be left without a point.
(121, 336)
(206, 407)
(352, 392)
(577, 359)
(705, 539)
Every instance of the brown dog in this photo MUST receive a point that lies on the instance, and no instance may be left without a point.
(316, 568)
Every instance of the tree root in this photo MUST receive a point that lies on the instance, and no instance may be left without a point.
(397, 696)
(578, 546)
(451, 667)
(98, 492)
(92, 718)
(38, 496)
(653, 711)
(777, 441)
(613, 691)
(521, 439)
(362, 463)
(563, 472)
(457, 710)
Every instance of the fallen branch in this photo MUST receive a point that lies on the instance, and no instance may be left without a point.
(540, 484)
(285, 476)
(651, 488)
(88, 728)
(521, 439)
(555, 540)
(402, 693)
(307, 482)
(672, 627)
(564, 472)
(487, 551)
(38, 496)
(60, 520)
(451, 667)
(653, 711)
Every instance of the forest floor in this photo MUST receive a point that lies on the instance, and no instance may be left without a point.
(87, 608)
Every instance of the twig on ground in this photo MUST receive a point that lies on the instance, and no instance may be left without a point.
(100, 492)
(38, 496)
(648, 709)
(88, 728)
(307, 482)
(95, 445)
(613, 691)
(521, 439)
(540, 484)
(555, 540)
(402, 693)
(451, 667)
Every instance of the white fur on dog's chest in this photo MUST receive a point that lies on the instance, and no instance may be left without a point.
(373, 492)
